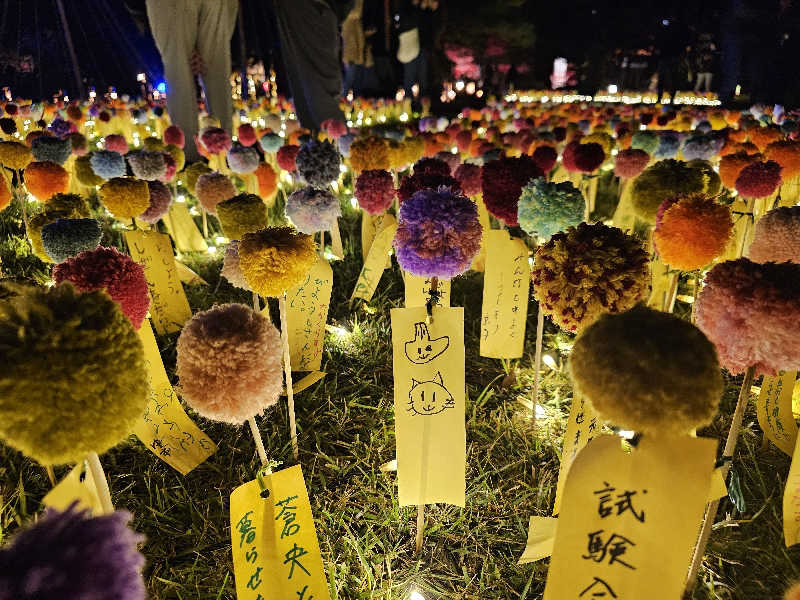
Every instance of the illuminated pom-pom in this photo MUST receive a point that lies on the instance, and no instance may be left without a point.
(213, 188)
(60, 206)
(72, 378)
(229, 363)
(311, 209)
(242, 159)
(270, 142)
(8, 126)
(66, 238)
(174, 135)
(589, 270)
(702, 147)
(107, 164)
(763, 136)
(431, 165)
(153, 144)
(107, 269)
(148, 166)
(335, 128)
(178, 156)
(469, 179)
(731, 165)
(545, 158)
(160, 201)
(14, 155)
(369, 153)
(72, 556)
(125, 197)
(777, 236)
(246, 135)
(215, 139)
(231, 270)
(645, 140)
(759, 179)
(668, 145)
(793, 593)
(667, 179)
(439, 233)
(599, 137)
(84, 172)
(79, 143)
(750, 311)
(45, 179)
(502, 181)
(242, 214)
(691, 231)
(374, 191)
(275, 259)
(5, 194)
(51, 149)
(318, 163)
(582, 158)
(192, 173)
(267, 180)
(116, 143)
(411, 184)
(546, 208)
(451, 160)
(631, 162)
(787, 154)
(286, 157)
(60, 128)
(647, 371)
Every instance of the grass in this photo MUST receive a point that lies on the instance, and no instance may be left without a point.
(346, 433)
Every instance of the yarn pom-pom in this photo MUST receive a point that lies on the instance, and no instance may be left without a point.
(213, 188)
(15, 155)
(84, 173)
(433, 166)
(286, 157)
(759, 179)
(52, 149)
(318, 163)
(242, 214)
(777, 236)
(71, 556)
(631, 162)
(60, 206)
(411, 184)
(667, 179)
(702, 147)
(787, 154)
(192, 173)
(546, 208)
(648, 371)
(311, 209)
(545, 158)
(439, 233)
(125, 197)
(231, 270)
(229, 363)
(242, 159)
(66, 238)
(369, 153)
(246, 135)
(270, 142)
(691, 231)
(583, 158)
(107, 164)
(375, 191)
(750, 311)
(215, 139)
(275, 259)
(148, 166)
(793, 593)
(267, 180)
(174, 135)
(589, 270)
(72, 378)
(45, 179)
(335, 128)
(116, 143)
(731, 165)
(469, 178)
(502, 181)
(160, 201)
(5, 195)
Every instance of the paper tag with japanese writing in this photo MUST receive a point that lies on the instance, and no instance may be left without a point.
(418, 291)
(479, 262)
(541, 537)
(429, 396)
(275, 548)
(505, 295)
(629, 520)
(306, 313)
(774, 410)
(78, 486)
(165, 428)
(660, 280)
(169, 308)
(376, 261)
(791, 501)
(183, 229)
(582, 426)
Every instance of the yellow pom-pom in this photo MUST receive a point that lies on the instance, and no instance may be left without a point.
(177, 154)
(242, 214)
(125, 197)
(369, 153)
(153, 144)
(5, 194)
(84, 172)
(275, 259)
(192, 173)
(14, 155)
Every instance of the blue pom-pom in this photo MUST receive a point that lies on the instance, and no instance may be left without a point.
(66, 238)
(107, 164)
(547, 208)
(52, 149)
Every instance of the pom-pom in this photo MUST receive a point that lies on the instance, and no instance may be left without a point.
(312, 210)
(469, 179)
(5, 194)
(439, 233)
(174, 135)
(502, 181)
(275, 259)
(270, 142)
(125, 197)
(178, 156)
(242, 214)
(160, 201)
(229, 363)
(545, 158)
(215, 139)
(432, 166)
(777, 236)
(242, 159)
(246, 135)
(14, 155)
(51, 149)
(45, 179)
(647, 371)
(318, 163)
(70, 556)
(667, 179)
(411, 184)
(213, 188)
(72, 378)
(153, 144)
(668, 145)
(107, 269)
(84, 172)
(231, 270)
(370, 153)
(750, 311)
(192, 173)
(731, 165)
(107, 164)
(787, 154)
(589, 270)
(793, 593)
(702, 147)
(116, 143)
(374, 191)
(335, 128)
(546, 208)
(286, 157)
(645, 140)
(60, 206)
(583, 158)
(66, 238)
(267, 180)
(629, 163)
(759, 179)
(79, 143)
(149, 166)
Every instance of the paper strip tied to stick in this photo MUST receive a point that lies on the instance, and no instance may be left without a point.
(307, 311)
(774, 410)
(376, 262)
(78, 486)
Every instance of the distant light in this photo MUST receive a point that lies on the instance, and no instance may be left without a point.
(354, 202)
(66, 98)
(665, 22)
(141, 77)
(549, 361)
(212, 249)
(612, 89)
(343, 168)
(339, 332)
(180, 198)
(459, 85)
(161, 86)
(626, 433)
(404, 117)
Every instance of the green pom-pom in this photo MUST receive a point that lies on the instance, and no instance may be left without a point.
(242, 214)
(546, 208)
(670, 178)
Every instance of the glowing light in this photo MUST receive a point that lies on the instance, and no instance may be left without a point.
(221, 239)
(141, 78)
(338, 331)
(459, 85)
(354, 202)
(540, 412)
(549, 361)
(180, 198)
(404, 117)
(625, 433)
(212, 249)
(612, 89)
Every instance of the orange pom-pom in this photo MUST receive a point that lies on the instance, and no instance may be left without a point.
(5, 194)
(267, 180)
(732, 164)
(45, 179)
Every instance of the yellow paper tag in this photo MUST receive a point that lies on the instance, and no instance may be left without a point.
(78, 486)
(275, 548)
(165, 428)
(541, 537)
(624, 216)
(306, 382)
(306, 313)
(368, 231)
(376, 261)
(337, 249)
(582, 427)
(629, 521)
(479, 263)
(418, 290)
(183, 230)
(505, 295)
(774, 410)
(659, 284)
(169, 308)
(718, 488)
(791, 501)
(187, 275)
(429, 395)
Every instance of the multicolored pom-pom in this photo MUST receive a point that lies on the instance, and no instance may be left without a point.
(311, 209)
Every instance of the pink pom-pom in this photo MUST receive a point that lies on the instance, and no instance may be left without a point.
(231, 269)
(777, 236)
(116, 143)
(375, 191)
(469, 178)
(287, 157)
(335, 128)
(759, 179)
(213, 188)
(216, 140)
(631, 162)
(174, 135)
(171, 167)
(463, 140)
(246, 134)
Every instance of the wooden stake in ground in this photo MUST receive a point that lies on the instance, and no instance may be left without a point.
(103, 493)
(262, 452)
(537, 363)
(287, 370)
(51, 474)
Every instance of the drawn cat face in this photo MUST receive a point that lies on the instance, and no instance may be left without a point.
(429, 397)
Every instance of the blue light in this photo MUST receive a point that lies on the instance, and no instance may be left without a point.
(162, 87)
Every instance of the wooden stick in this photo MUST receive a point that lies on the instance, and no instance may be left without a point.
(256, 305)
(205, 223)
(287, 370)
(672, 292)
(420, 528)
(262, 453)
(100, 482)
(727, 455)
(51, 474)
(537, 360)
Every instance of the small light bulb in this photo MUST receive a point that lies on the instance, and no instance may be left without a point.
(549, 361)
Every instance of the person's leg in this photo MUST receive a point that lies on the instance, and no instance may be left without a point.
(709, 77)
(217, 20)
(173, 23)
(698, 82)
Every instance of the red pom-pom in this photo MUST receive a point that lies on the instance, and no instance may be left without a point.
(431, 166)
(469, 178)
(631, 162)
(334, 128)
(583, 158)
(463, 140)
(545, 158)
(116, 143)
(759, 180)
(502, 181)
(174, 135)
(375, 191)
(286, 157)
(246, 134)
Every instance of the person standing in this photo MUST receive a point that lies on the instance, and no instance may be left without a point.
(417, 30)
(672, 45)
(181, 28)
(356, 52)
(704, 62)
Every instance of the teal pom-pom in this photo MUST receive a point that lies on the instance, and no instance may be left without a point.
(546, 208)
(66, 238)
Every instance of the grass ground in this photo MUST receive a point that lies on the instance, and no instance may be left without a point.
(346, 432)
